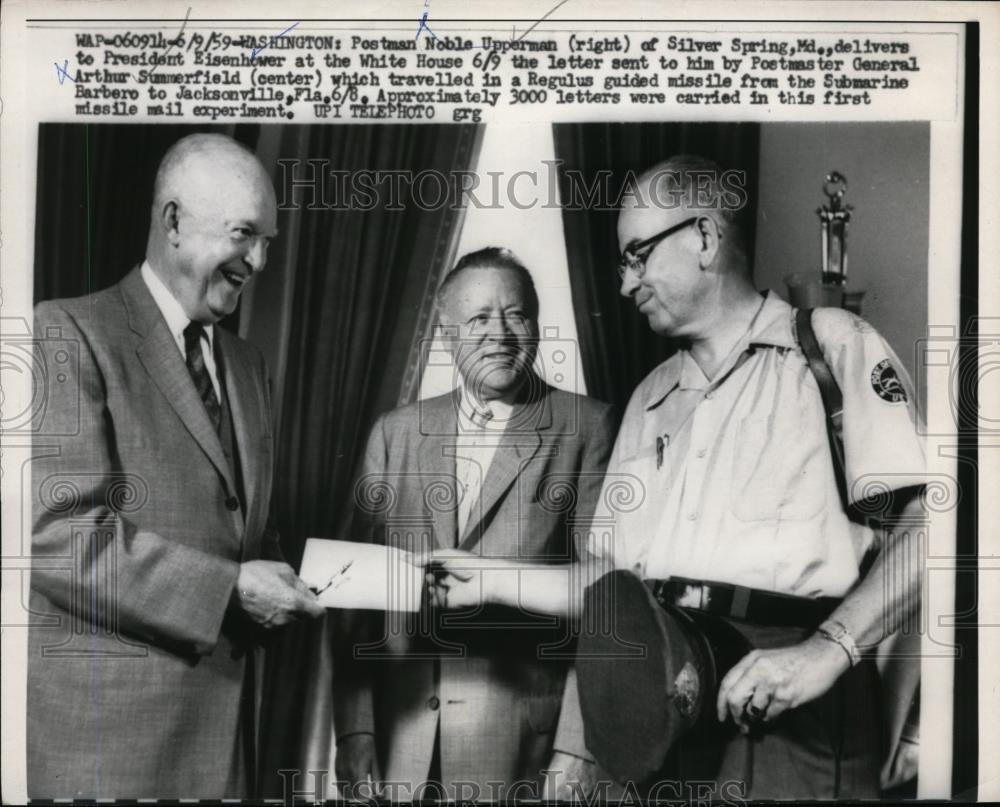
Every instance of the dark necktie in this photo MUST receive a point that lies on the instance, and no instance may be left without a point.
(199, 372)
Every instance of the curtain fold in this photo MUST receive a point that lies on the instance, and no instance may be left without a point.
(617, 348)
(357, 301)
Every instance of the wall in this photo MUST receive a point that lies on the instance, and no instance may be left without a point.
(886, 166)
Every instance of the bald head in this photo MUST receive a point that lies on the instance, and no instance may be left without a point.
(200, 170)
(689, 185)
(213, 215)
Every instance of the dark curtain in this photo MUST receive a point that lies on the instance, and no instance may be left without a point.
(617, 347)
(92, 206)
(340, 313)
(360, 303)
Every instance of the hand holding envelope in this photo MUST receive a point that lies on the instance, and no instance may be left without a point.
(459, 579)
(345, 574)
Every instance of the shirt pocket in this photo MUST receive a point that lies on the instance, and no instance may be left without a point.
(777, 472)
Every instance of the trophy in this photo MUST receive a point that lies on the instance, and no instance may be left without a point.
(806, 289)
(833, 219)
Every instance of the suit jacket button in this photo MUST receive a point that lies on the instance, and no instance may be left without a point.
(433, 702)
(232, 503)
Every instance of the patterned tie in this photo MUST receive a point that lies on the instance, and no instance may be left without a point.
(468, 469)
(196, 366)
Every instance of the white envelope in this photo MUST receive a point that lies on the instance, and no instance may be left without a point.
(353, 575)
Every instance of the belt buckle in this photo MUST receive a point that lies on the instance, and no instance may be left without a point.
(695, 595)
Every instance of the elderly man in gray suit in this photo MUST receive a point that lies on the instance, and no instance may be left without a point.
(503, 466)
(153, 475)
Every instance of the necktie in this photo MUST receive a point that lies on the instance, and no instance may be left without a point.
(468, 465)
(199, 373)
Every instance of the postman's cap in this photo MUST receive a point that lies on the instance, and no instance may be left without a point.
(646, 673)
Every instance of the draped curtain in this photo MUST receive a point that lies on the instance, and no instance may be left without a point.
(616, 344)
(344, 311)
(341, 313)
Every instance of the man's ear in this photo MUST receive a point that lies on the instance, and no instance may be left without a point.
(169, 217)
(711, 238)
(448, 333)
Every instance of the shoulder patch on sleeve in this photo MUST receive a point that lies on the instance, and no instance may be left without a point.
(886, 383)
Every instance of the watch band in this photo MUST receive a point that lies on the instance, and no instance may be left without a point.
(835, 631)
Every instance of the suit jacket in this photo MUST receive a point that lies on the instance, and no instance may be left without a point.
(482, 680)
(137, 666)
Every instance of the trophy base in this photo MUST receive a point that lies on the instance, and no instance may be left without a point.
(806, 290)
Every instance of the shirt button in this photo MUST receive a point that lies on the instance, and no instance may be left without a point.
(708, 394)
(692, 516)
(232, 503)
(433, 702)
(701, 452)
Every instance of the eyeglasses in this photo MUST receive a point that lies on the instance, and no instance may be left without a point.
(631, 257)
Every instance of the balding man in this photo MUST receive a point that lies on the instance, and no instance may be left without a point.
(153, 570)
(744, 514)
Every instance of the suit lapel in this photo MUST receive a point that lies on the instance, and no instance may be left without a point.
(436, 462)
(241, 390)
(519, 444)
(158, 353)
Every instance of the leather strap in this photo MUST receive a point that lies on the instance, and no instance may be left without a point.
(829, 390)
(752, 605)
(833, 405)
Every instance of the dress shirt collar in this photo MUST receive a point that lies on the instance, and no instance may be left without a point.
(171, 309)
(471, 412)
(771, 327)
(774, 325)
(691, 375)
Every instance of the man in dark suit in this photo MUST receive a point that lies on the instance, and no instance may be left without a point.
(152, 480)
(504, 466)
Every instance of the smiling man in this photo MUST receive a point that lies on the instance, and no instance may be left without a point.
(752, 518)
(142, 673)
(746, 516)
(504, 467)
(220, 217)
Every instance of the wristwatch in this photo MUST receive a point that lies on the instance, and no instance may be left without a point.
(835, 631)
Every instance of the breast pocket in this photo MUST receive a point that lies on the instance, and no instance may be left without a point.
(777, 475)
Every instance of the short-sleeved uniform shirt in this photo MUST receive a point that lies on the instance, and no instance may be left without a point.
(731, 479)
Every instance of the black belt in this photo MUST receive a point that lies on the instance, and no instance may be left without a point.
(751, 605)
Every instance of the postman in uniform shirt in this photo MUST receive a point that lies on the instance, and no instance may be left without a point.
(733, 476)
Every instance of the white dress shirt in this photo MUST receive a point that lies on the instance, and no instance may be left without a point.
(177, 321)
(481, 426)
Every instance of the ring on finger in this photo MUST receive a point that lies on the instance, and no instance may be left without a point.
(755, 712)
